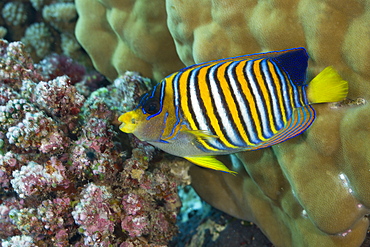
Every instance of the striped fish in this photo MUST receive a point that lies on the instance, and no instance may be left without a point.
(231, 105)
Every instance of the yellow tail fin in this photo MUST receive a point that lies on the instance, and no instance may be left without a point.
(327, 86)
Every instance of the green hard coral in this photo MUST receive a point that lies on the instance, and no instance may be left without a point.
(312, 190)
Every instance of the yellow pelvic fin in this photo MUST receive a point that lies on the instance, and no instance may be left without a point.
(210, 162)
(129, 121)
(327, 86)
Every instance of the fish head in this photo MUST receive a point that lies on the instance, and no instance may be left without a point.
(147, 120)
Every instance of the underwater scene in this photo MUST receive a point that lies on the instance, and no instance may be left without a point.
(184, 123)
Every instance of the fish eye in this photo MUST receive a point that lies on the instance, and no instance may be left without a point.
(152, 106)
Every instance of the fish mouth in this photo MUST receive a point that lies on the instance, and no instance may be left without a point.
(129, 122)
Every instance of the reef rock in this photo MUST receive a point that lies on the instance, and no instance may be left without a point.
(309, 191)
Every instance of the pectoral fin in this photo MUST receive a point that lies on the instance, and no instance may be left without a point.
(210, 162)
(201, 135)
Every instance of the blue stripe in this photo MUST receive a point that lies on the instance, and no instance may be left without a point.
(304, 94)
(274, 98)
(297, 102)
(228, 128)
(215, 93)
(198, 111)
(164, 123)
(176, 100)
(285, 92)
(261, 107)
(176, 97)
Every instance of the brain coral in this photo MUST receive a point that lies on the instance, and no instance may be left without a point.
(309, 191)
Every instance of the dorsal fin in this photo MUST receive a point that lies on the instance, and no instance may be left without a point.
(294, 62)
(282, 57)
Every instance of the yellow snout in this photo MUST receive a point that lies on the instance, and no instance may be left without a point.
(129, 121)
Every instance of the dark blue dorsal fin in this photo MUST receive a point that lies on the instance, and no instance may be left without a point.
(294, 62)
(278, 56)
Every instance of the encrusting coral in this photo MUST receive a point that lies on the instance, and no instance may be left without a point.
(66, 180)
(44, 26)
(309, 191)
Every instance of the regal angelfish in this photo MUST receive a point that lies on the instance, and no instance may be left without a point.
(231, 105)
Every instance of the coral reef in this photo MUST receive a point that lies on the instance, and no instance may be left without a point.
(218, 29)
(309, 191)
(44, 27)
(66, 179)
